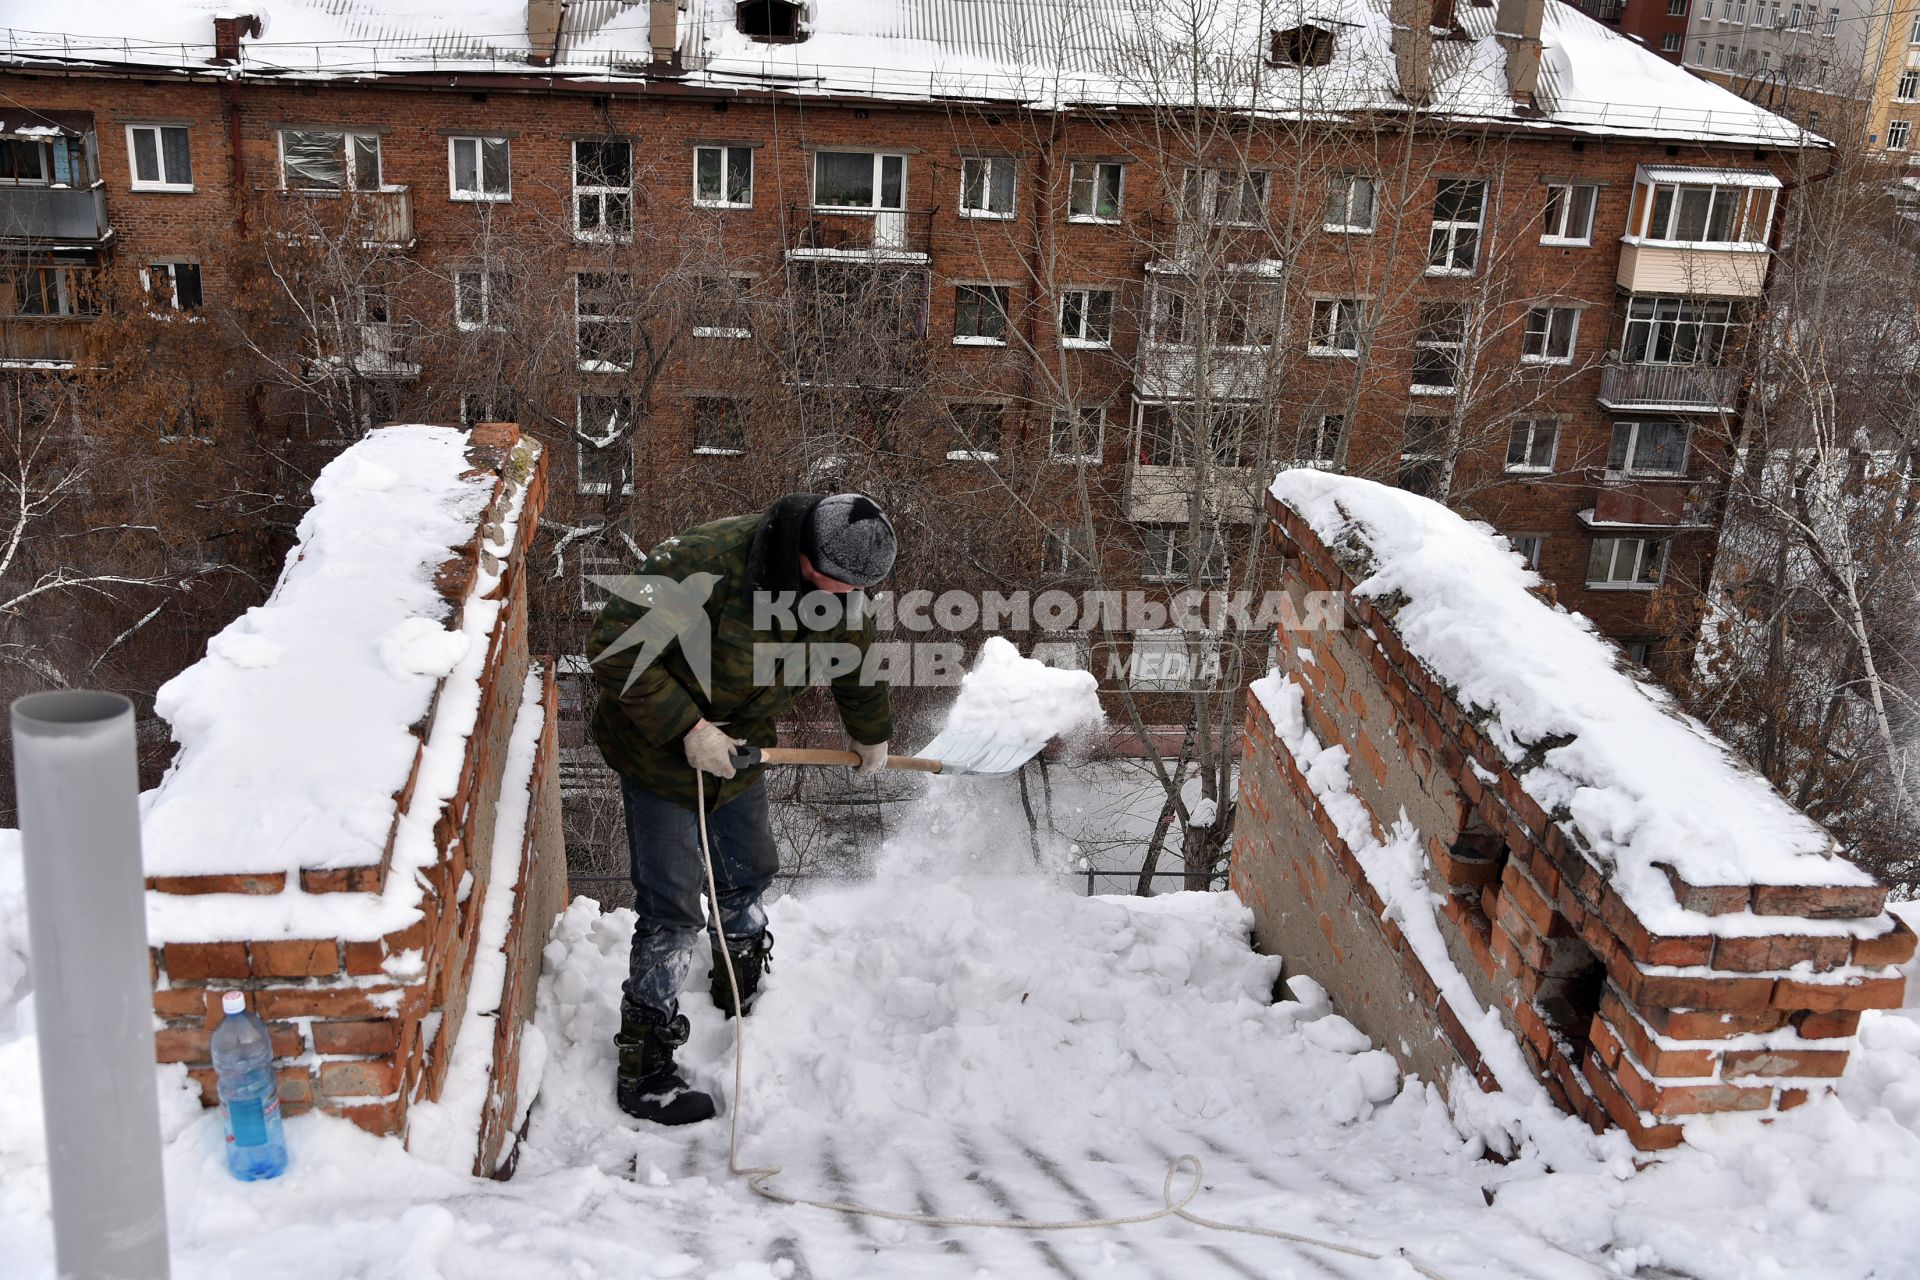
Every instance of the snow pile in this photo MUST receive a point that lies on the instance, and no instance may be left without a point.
(1012, 698)
(1637, 781)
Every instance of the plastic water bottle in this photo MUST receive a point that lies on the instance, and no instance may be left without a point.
(249, 1093)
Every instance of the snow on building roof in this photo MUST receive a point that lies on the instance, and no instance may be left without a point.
(1637, 782)
(294, 731)
(1042, 53)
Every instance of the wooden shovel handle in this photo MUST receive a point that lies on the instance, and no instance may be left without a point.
(822, 755)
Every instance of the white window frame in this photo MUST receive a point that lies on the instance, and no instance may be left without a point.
(978, 177)
(603, 196)
(1328, 327)
(166, 181)
(1630, 465)
(1094, 187)
(1537, 342)
(1068, 550)
(1529, 547)
(1326, 453)
(742, 284)
(1166, 550)
(599, 366)
(1454, 229)
(1565, 202)
(727, 156)
(1908, 88)
(1527, 433)
(581, 483)
(879, 159)
(595, 564)
(1422, 341)
(480, 143)
(1058, 441)
(1899, 134)
(970, 450)
(1205, 199)
(1006, 317)
(1341, 189)
(168, 269)
(348, 178)
(1086, 339)
(491, 281)
(1203, 646)
(467, 405)
(1749, 214)
(717, 450)
(1644, 553)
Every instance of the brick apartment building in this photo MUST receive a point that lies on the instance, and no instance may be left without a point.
(1514, 270)
(1658, 25)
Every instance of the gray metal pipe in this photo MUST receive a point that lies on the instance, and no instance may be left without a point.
(78, 787)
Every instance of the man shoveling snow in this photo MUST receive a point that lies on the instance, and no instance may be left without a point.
(674, 654)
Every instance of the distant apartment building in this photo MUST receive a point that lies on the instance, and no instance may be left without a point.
(1893, 84)
(1810, 61)
(1659, 26)
(1530, 311)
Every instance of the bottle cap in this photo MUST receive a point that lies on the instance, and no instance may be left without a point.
(234, 1002)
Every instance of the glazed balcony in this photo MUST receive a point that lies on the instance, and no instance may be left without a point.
(57, 215)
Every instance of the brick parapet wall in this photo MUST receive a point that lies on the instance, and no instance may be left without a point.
(1622, 1024)
(363, 1026)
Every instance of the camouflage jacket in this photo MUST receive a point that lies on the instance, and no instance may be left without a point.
(641, 715)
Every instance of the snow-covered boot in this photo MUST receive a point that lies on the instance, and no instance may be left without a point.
(751, 957)
(649, 1086)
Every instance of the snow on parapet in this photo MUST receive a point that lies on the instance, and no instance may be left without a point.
(1640, 784)
(295, 731)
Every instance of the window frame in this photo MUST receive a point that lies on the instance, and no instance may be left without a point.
(349, 161)
(1908, 87)
(1530, 555)
(1548, 331)
(1423, 340)
(165, 182)
(1081, 341)
(1555, 230)
(726, 153)
(1198, 644)
(739, 416)
(1453, 229)
(1904, 128)
(1164, 554)
(1750, 217)
(972, 440)
(1635, 581)
(1204, 201)
(1077, 413)
(1349, 183)
(1529, 464)
(610, 279)
(1326, 455)
(1655, 320)
(989, 168)
(877, 177)
(480, 143)
(592, 564)
(1003, 295)
(740, 287)
(1095, 188)
(151, 272)
(492, 280)
(1630, 467)
(623, 414)
(1326, 327)
(604, 195)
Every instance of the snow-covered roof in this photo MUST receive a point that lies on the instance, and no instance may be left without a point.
(1044, 53)
(1638, 783)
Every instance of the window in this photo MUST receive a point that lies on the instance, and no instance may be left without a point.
(1676, 331)
(859, 180)
(1078, 434)
(1766, 58)
(1678, 9)
(1167, 433)
(1093, 191)
(1086, 318)
(1740, 11)
(595, 565)
(1569, 213)
(1458, 208)
(1350, 203)
(1530, 444)
(770, 21)
(1913, 32)
(1648, 449)
(161, 160)
(46, 291)
(1423, 456)
(1719, 55)
(1437, 346)
(1248, 313)
(1700, 53)
(723, 177)
(986, 187)
(1898, 132)
(1550, 334)
(1833, 22)
(719, 426)
(605, 441)
(980, 315)
(1337, 326)
(1528, 545)
(1626, 562)
(720, 308)
(375, 402)
(478, 169)
(1694, 213)
(479, 298)
(1068, 551)
(324, 160)
(604, 332)
(1638, 650)
(1670, 42)
(175, 285)
(603, 189)
(1793, 18)
(1224, 197)
(1319, 442)
(1909, 87)
(1302, 46)
(976, 431)
(493, 405)
(1169, 660)
(1168, 559)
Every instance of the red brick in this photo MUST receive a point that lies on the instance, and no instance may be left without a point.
(1615, 1104)
(1780, 951)
(1822, 997)
(1895, 947)
(295, 1085)
(1518, 886)
(366, 1037)
(191, 961)
(340, 1002)
(301, 958)
(381, 1118)
(1459, 869)
(1735, 995)
(1819, 902)
(1711, 899)
(365, 959)
(1706, 1024)
(1783, 1062)
(1791, 1098)
(181, 1002)
(252, 883)
(1834, 1025)
(370, 878)
(1660, 1061)
(359, 1078)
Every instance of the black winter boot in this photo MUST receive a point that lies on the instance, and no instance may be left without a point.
(649, 1087)
(751, 958)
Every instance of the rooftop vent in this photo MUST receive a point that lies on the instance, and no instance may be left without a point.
(771, 21)
(1302, 46)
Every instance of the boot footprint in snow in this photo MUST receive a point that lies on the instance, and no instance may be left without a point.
(752, 957)
(647, 1085)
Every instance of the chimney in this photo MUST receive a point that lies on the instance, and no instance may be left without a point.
(663, 28)
(543, 30)
(1413, 48)
(1443, 15)
(1519, 34)
(227, 30)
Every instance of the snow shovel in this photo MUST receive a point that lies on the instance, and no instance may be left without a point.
(954, 752)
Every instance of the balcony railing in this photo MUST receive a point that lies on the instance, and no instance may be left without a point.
(1645, 502)
(42, 340)
(388, 350)
(1676, 388)
(1162, 494)
(899, 234)
(381, 218)
(76, 215)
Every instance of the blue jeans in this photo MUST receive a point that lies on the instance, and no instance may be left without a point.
(669, 879)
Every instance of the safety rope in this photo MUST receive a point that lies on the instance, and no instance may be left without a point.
(1172, 1205)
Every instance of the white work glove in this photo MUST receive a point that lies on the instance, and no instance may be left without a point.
(709, 749)
(872, 759)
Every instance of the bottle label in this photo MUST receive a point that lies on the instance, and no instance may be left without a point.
(247, 1120)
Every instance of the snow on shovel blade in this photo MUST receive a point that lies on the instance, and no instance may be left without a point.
(962, 751)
